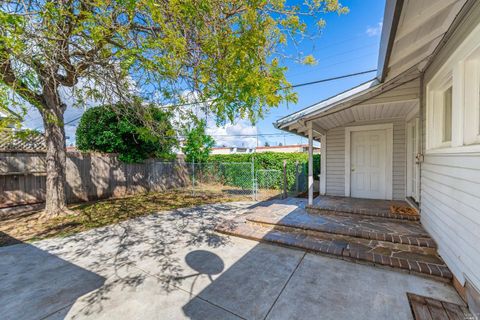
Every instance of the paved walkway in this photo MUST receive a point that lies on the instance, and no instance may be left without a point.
(173, 266)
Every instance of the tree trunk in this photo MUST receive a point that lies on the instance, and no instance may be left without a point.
(56, 204)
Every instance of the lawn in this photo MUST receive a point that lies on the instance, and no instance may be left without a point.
(101, 213)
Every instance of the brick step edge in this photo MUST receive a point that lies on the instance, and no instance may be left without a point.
(352, 232)
(311, 244)
(318, 210)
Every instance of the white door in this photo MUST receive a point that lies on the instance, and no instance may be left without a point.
(413, 167)
(368, 164)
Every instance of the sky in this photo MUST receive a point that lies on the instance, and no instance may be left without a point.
(348, 44)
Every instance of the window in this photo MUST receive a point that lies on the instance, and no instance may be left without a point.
(440, 112)
(453, 101)
(472, 99)
(447, 115)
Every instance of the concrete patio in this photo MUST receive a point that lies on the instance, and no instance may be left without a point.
(174, 266)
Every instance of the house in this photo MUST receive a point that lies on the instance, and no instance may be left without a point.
(231, 150)
(285, 149)
(288, 148)
(412, 132)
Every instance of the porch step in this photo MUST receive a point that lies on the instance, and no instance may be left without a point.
(397, 256)
(378, 214)
(367, 207)
(395, 231)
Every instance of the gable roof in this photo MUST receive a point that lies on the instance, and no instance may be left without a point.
(412, 32)
(326, 104)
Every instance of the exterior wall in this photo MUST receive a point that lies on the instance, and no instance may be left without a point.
(450, 185)
(335, 184)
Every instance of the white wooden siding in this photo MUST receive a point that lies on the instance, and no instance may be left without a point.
(336, 158)
(336, 162)
(450, 210)
(450, 186)
(407, 91)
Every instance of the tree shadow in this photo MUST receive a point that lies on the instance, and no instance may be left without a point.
(120, 252)
(106, 265)
(36, 283)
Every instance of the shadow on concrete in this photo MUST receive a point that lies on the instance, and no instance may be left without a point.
(118, 253)
(36, 283)
(144, 261)
(248, 288)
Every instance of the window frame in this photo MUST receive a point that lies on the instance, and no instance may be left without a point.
(472, 98)
(436, 111)
(462, 72)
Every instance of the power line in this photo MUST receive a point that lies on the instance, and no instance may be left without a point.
(286, 87)
(320, 67)
(331, 79)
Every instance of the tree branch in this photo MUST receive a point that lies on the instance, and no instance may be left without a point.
(7, 76)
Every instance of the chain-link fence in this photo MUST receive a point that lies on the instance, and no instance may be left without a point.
(245, 181)
(229, 179)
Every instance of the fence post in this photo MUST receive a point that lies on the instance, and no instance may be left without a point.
(254, 185)
(285, 179)
(296, 176)
(193, 177)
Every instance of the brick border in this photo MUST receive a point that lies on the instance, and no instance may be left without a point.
(352, 232)
(366, 212)
(332, 247)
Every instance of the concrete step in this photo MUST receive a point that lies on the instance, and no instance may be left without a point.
(401, 232)
(386, 214)
(420, 260)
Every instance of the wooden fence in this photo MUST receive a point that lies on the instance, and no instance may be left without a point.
(89, 177)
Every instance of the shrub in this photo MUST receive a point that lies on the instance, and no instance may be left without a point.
(117, 129)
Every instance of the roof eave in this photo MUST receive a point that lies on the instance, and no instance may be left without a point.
(328, 104)
(391, 18)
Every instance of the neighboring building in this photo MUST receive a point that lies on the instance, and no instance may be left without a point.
(413, 132)
(286, 149)
(231, 150)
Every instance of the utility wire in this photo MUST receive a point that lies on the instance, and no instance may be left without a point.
(330, 79)
(286, 87)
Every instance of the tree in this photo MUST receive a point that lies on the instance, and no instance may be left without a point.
(105, 130)
(198, 144)
(267, 144)
(228, 53)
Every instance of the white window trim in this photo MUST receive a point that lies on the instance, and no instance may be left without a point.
(472, 99)
(465, 104)
(388, 157)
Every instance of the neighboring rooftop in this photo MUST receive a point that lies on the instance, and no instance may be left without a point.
(9, 142)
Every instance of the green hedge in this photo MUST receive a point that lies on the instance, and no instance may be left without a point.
(270, 161)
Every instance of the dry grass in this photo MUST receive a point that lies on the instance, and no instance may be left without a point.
(101, 213)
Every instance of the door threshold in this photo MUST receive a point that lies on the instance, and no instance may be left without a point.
(413, 203)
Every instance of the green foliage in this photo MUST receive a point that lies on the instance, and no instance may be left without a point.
(198, 143)
(120, 130)
(268, 161)
(229, 53)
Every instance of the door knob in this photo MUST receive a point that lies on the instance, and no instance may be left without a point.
(353, 169)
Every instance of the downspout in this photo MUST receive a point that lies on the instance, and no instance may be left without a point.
(419, 157)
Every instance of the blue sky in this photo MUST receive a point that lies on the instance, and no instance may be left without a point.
(349, 43)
